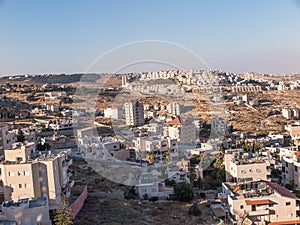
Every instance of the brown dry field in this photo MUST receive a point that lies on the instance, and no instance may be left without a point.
(112, 211)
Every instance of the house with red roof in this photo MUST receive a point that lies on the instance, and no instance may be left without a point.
(260, 202)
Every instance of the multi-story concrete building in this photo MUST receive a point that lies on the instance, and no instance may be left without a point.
(113, 113)
(183, 130)
(294, 131)
(287, 113)
(290, 113)
(49, 96)
(5, 138)
(35, 211)
(296, 113)
(154, 129)
(44, 175)
(134, 113)
(174, 108)
(260, 203)
(219, 126)
(149, 187)
(28, 134)
(241, 167)
(291, 169)
(157, 145)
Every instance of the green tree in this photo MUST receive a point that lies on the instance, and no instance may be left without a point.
(43, 147)
(184, 192)
(219, 161)
(167, 159)
(192, 174)
(20, 135)
(199, 182)
(150, 157)
(63, 215)
(41, 127)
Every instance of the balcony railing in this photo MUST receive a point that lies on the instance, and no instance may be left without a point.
(70, 172)
(71, 183)
(69, 162)
(261, 212)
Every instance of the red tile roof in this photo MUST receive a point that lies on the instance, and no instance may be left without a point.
(297, 154)
(281, 190)
(258, 202)
(175, 121)
(285, 222)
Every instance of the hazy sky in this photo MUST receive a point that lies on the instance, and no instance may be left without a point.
(66, 36)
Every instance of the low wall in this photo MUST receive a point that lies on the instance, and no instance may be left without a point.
(78, 204)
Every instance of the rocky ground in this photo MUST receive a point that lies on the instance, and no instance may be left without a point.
(102, 208)
(113, 211)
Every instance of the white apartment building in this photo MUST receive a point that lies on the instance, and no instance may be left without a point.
(149, 186)
(200, 148)
(291, 169)
(276, 139)
(174, 108)
(241, 167)
(113, 113)
(49, 96)
(53, 107)
(134, 113)
(98, 147)
(158, 145)
(287, 113)
(154, 129)
(260, 203)
(294, 131)
(290, 113)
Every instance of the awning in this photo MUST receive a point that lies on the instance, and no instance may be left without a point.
(258, 202)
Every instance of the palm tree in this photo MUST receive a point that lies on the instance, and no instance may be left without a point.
(167, 158)
(150, 157)
(63, 214)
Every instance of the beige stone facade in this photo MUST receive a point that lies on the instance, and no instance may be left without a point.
(45, 175)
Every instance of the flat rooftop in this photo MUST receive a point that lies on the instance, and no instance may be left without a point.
(38, 202)
(258, 189)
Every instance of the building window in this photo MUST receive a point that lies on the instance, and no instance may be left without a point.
(11, 174)
(26, 173)
(27, 186)
(241, 206)
(20, 185)
(288, 203)
(258, 170)
(19, 173)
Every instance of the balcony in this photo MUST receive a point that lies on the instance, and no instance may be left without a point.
(70, 172)
(71, 183)
(261, 212)
(69, 162)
